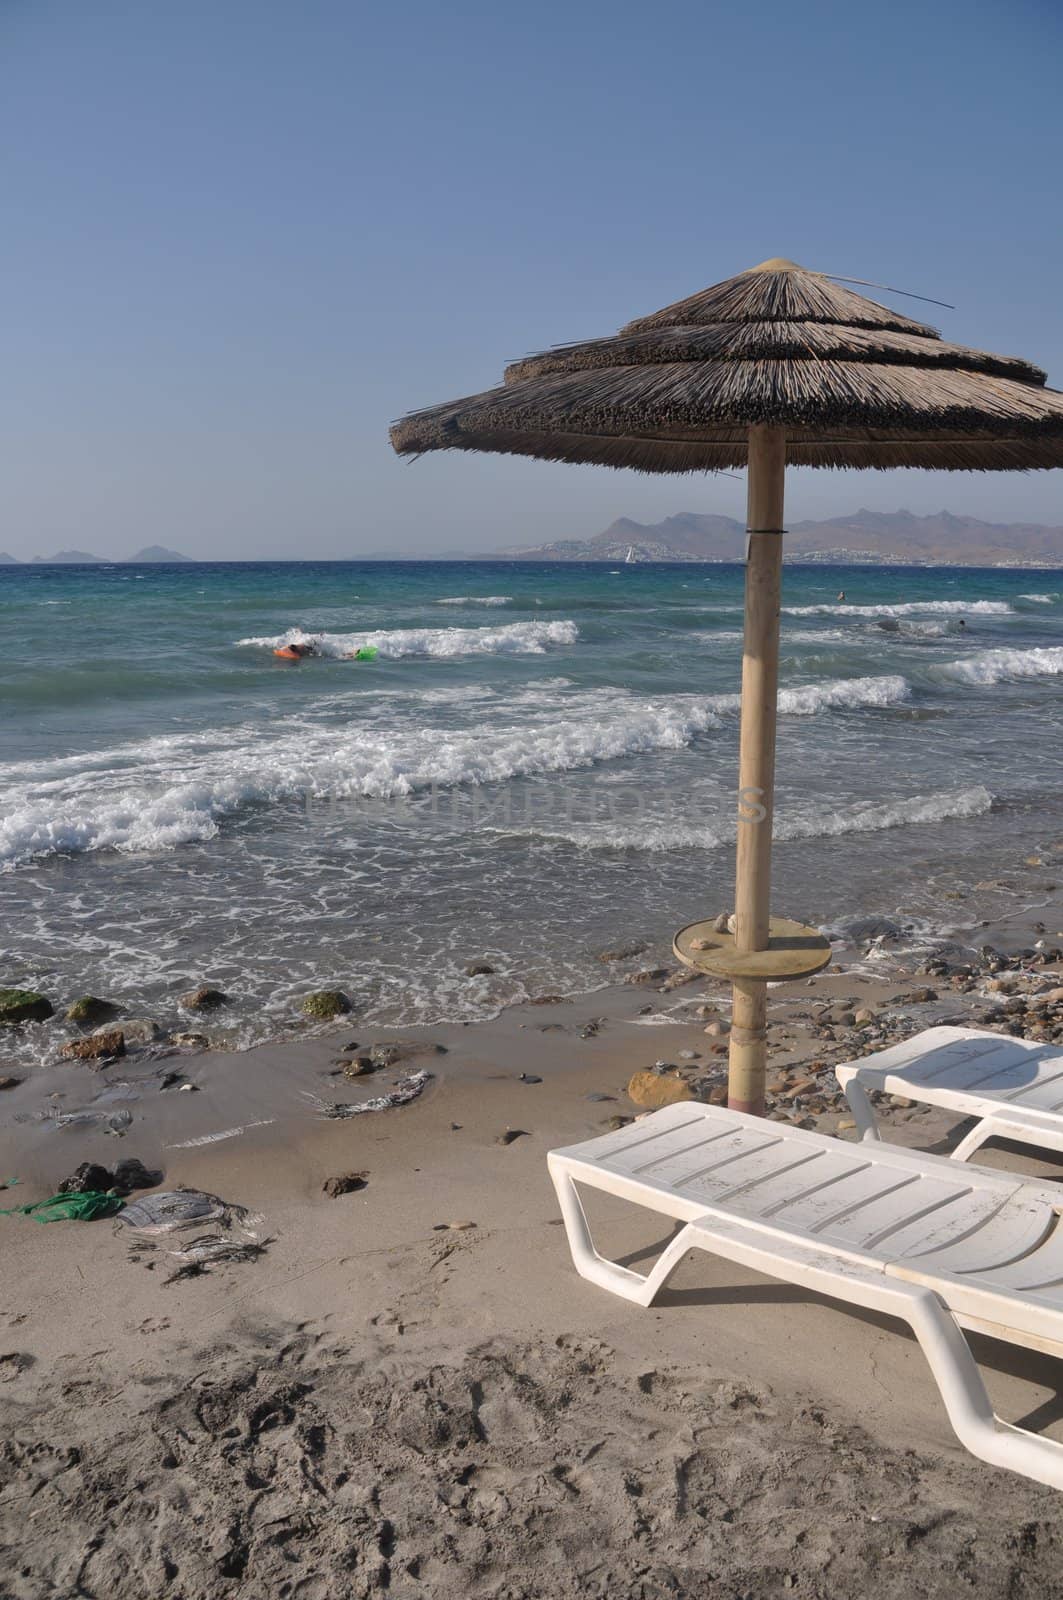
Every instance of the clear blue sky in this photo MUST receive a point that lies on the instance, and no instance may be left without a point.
(240, 236)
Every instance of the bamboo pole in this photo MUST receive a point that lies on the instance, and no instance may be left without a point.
(756, 760)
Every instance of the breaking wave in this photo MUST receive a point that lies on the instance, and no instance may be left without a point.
(908, 608)
(998, 666)
(514, 638)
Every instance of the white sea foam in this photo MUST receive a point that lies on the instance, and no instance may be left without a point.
(514, 638)
(813, 823)
(475, 600)
(998, 666)
(909, 608)
(1041, 599)
(175, 790)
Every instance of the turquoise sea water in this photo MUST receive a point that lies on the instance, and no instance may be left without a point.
(541, 759)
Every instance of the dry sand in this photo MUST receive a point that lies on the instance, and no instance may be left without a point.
(379, 1405)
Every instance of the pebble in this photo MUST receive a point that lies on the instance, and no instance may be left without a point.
(511, 1134)
(652, 1090)
(479, 969)
(10, 1083)
(345, 1183)
(529, 1077)
(718, 1029)
(452, 1227)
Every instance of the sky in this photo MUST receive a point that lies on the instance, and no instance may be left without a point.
(242, 236)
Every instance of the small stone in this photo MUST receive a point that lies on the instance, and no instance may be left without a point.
(614, 1124)
(652, 1090)
(479, 969)
(722, 923)
(687, 1055)
(91, 1011)
(349, 1049)
(864, 1016)
(511, 1134)
(387, 1053)
(647, 975)
(359, 1067)
(922, 997)
(718, 1029)
(88, 1178)
(529, 1077)
(203, 998)
(96, 1047)
(323, 1004)
(24, 1005)
(902, 1102)
(137, 1030)
(597, 1096)
(547, 1000)
(704, 944)
(197, 1041)
(9, 1083)
(345, 1183)
(459, 1227)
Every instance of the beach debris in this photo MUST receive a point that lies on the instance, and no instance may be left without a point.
(590, 1029)
(479, 969)
(624, 952)
(224, 1133)
(115, 1122)
(324, 1004)
(189, 1088)
(528, 1077)
(127, 1175)
(9, 1083)
(652, 1090)
(90, 1011)
(647, 975)
(156, 1214)
(452, 1227)
(392, 1051)
(86, 1206)
(511, 1135)
(405, 1090)
(97, 1047)
(137, 1030)
(203, 998)
(24, 1005)
(198, 1255)
(344, 1183)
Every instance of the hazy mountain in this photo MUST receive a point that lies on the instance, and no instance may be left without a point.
(157, 552)
(6, 560)
(73, 558)
(874, 536)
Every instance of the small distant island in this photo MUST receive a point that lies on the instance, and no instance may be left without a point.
(152, 554)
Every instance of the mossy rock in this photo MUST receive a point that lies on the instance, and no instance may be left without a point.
(90, 1010)
(24, 1005)
(326, 1003)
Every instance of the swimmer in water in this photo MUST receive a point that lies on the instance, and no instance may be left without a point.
(841, 594)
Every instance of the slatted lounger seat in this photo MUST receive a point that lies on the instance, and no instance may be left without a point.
(912, 1235)
(1013, 1086)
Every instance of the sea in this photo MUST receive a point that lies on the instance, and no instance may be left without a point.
(539, 762)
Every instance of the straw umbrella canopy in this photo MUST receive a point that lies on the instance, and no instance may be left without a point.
(777, 366)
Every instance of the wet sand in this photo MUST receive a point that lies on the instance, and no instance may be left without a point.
(385, 1402)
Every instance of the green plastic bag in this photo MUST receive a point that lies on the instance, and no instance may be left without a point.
(87, 1207)
(366, 652)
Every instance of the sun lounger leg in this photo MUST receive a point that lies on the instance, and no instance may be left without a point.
(967, 1403)
(975, 1139)
(607, 1274)
(862, 1109)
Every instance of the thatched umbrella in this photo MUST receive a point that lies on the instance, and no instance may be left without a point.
(777, 365)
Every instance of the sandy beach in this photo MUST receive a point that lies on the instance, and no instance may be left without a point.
(409, 1390)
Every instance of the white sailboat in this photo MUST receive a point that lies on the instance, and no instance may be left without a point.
(631, 556)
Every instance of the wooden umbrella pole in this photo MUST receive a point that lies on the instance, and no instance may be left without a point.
(756, 761)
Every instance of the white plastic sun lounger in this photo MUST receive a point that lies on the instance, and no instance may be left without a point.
(1013, 1086)
(912, 1235)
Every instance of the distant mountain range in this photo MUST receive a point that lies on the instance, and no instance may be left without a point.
(878, 537)
(85, 558)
